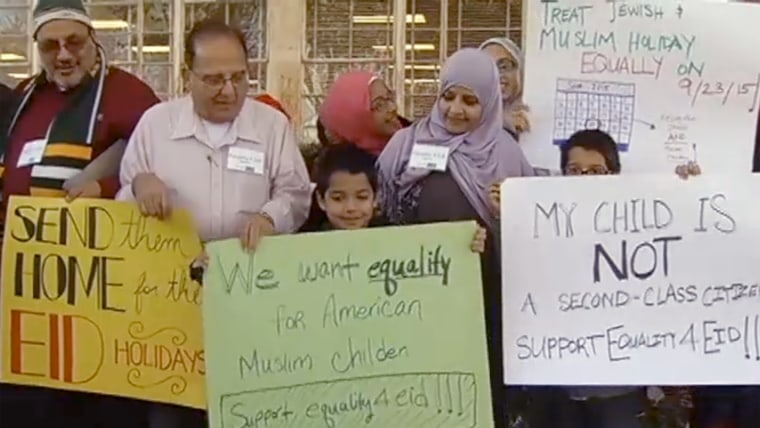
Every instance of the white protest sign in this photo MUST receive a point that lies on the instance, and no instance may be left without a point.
(671, 81)
(625, 280)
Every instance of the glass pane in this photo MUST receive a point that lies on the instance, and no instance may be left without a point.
(13, 21)
(423, 46)
(248, 16)
(348, 28)
(472, 38)
(471, 22)
(12, 75)
(423, 55)
(257, 78)
(113, 25)
(420, 105)
(158, 77)
(117, 47)
(7, 3)
(14, 50)
(157, 17)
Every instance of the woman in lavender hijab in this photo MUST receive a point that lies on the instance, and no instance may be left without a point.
(466, 125)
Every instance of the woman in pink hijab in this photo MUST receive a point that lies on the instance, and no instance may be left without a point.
(359, 109)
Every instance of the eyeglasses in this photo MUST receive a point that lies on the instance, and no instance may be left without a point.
(217, 81)
(383, 104)
(506, 65)
(594, 170)
(72, 44)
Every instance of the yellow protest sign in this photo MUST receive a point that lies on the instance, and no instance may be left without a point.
(98, 298)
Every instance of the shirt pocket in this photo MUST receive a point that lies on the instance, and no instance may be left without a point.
(251, 191)
(251, 188)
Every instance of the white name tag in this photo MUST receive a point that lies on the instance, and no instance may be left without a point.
(428, 156)
(32, 153)
(245, 160)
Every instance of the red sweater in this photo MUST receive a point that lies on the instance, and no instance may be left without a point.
(125, 98)
(272, 101)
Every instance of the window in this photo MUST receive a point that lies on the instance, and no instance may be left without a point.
(342, 35)
(139, 36)
(454, 24)
(142, 36)
(15, 42)
(247, 15)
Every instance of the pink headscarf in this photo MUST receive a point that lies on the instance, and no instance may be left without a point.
(345, 113)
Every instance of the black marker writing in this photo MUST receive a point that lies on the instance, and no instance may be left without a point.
(429, 263)
(725, 222)
(645, 253)
(553, 216)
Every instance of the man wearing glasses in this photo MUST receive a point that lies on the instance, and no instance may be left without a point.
(231, 161)
(63, 118)
(71, 112)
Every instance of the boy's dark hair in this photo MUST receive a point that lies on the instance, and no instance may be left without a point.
(210, 27)
(343, 157)
(595, 140)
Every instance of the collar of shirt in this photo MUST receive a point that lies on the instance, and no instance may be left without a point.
(189, 125)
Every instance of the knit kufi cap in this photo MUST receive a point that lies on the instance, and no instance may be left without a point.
(51, 10)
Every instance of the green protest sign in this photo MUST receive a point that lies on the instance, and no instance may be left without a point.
(377, 328)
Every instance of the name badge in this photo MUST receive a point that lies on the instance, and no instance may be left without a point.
(32, 153)
(245, 160)
(428, 156)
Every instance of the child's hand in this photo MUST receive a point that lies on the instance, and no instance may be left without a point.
(494, 196)
(479, 241)
(689, 169)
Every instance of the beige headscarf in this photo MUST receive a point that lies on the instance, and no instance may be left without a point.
(513, 102)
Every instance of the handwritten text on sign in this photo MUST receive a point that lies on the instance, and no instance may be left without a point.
(348, 329)
(655, 75)
(98, 298)
(631, 280)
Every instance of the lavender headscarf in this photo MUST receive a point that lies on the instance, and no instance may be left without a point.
(513, 102)
(477, 159)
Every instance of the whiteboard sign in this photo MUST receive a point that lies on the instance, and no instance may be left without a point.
(671, 81)
(631, 280)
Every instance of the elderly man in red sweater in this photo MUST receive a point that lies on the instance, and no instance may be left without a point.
(72, 111)
(65, 117)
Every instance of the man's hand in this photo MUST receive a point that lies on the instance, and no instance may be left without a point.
(259, 226)
(90, 189)
(152, 195)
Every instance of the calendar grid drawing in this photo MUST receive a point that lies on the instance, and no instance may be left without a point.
(587, 104)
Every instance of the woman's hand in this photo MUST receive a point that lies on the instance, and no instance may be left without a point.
(494, 197)
(687, 170)
(479, 241)
(520, 120)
